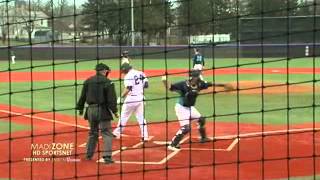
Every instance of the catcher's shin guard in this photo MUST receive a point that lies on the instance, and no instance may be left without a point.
(202, 129)
(201, 122)
(203, 135)
(179, 135)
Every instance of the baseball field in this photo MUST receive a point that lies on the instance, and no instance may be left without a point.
(266, 128)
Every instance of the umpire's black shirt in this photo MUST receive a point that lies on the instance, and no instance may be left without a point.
(99, 90)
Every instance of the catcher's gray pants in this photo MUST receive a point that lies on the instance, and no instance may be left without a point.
(106, 132)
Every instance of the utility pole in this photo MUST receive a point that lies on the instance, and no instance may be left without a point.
(132, 24)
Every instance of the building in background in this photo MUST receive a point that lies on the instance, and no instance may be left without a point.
(23, 20)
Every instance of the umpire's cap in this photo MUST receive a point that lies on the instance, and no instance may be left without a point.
(195, 73)
(125, 67)
(101, 67)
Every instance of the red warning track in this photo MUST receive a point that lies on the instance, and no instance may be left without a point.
(285, 153)
(81, 75)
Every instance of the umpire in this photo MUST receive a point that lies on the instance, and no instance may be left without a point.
(99, 93)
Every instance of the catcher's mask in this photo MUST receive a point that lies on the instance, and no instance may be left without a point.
(194, 73)
(194, 76)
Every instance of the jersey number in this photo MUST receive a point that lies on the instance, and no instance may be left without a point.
(137, 79)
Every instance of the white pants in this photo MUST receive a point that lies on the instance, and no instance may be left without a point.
(186, 114)
(127, 109)
(13, 59)
(198, 67)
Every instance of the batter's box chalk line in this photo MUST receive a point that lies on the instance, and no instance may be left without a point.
(229, 148)
(123, 136)
(162, 161)
(168, 142)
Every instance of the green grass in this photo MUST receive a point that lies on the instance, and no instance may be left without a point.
(222, 106)
(59, 65)
(5, 127)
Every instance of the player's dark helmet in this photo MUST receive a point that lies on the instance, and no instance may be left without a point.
(125, 53)
(125, 68)
(195, 73)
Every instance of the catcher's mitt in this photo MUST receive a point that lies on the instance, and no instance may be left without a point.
(228, 87)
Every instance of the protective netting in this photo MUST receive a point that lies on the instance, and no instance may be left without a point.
(257, 96)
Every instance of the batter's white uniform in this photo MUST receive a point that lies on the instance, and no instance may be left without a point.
(133, 103)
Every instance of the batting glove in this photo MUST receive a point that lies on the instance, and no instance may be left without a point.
(116, 115)
(119, 100)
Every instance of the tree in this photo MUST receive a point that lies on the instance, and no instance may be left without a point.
(3, 21)
(205, 16)
(272, 8)
(114, 18)
(62, 12)
(28, 15)
(191, 16)
(153, 18)
(307, 8)
(101, 16)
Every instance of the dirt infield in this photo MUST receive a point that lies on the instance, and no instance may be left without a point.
(293, 155)
(259, 87)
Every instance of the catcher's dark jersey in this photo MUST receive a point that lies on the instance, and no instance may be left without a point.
(188, 93)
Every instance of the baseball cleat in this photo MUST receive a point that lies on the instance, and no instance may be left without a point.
(204, 140)
(108, 160)
(173, 148)
(115, 136)
(88, 158)
(145, 139)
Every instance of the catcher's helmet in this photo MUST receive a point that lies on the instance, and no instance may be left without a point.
(125, 67)
(101, 67)
(194, 73)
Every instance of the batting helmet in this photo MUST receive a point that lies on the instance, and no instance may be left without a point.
(125, 53)
(125, 67)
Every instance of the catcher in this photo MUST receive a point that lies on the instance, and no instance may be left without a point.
(184, 108)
